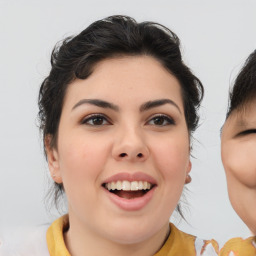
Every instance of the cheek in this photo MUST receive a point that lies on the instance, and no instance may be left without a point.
(172, 158)
(239, 162)
(81, 161)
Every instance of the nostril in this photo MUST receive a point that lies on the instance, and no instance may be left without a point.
(124, 155)
(139, 155)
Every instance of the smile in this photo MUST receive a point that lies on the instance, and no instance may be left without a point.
(128, 186)
(130, 191)
(127, 189)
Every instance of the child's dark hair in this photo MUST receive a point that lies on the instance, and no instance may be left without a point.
(111, 37)
(244, 90)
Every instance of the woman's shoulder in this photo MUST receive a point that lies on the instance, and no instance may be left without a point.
(24, 241)
(239, 247)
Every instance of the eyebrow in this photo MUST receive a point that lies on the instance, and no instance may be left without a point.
(96, 102)
(144, 107)
(241, 123)
(156, 103)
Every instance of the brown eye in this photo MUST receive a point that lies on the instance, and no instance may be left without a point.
(95, 120)
(161, 120)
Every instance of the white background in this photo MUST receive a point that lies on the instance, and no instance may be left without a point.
(216, 38)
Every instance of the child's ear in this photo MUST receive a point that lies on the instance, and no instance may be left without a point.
(53, 160)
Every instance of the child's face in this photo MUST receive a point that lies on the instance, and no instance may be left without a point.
(238, 146)
(124, 123)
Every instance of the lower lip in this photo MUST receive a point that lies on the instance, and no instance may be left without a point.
(134, 204)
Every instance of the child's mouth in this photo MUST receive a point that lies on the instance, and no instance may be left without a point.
(129, 190)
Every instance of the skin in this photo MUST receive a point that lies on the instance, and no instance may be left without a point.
(128, 139)
(238, 151)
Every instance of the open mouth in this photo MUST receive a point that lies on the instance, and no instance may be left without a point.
(128, 190)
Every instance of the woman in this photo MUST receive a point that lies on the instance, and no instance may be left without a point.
(117, 112)
(238, 150)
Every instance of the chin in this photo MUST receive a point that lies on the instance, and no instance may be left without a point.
(130, 239)
(131, 234)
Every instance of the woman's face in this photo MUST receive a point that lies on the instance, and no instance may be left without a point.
(123, 149)
(238, 146)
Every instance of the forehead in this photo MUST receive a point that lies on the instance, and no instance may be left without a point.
(241, 118)
(115, 79)
(140, 67)
(245, 114)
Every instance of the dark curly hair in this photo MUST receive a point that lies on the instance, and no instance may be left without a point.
(244, 89)
(114, 36)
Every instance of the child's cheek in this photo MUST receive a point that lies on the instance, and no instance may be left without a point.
(239, 161)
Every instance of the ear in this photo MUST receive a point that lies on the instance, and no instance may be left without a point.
(53, 159)
(189, 167)
(188, 178)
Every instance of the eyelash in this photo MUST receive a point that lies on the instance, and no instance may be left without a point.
(247, 132)
(95, 117)
(165, 120)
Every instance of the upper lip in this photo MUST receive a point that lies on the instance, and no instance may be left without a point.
(138, 176)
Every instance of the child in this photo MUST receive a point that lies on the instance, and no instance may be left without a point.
(117, 112)
(238, 146)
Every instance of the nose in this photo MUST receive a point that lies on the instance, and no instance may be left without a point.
(130, 145)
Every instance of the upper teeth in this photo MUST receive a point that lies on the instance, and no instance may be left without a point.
(128, 186)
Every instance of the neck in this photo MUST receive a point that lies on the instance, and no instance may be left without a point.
(81, 241)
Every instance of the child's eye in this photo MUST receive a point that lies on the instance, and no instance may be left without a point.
(161, 120)
(247, 132)
(95, 120)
